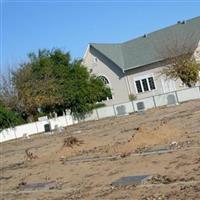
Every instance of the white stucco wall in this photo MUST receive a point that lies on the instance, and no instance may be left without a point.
(112, 72)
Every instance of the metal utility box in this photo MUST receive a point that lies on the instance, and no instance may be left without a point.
(47, 127)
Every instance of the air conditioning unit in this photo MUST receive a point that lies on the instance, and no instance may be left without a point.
(171, 100)
(140, 106)
(121, 110)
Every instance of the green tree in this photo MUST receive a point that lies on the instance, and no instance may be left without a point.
(179, 55)
(185, 68)
(50, 81)
(85, 90)
(8, 118)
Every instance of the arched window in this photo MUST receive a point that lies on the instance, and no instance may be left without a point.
(107, 83)
(104, 79)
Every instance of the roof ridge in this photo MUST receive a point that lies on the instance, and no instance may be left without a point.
(139, 37)
(105, 43)
(162, 29)
(141, 51)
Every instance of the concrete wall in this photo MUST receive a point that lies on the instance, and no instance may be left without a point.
(188, 94)
(162, 100)
(34, 128)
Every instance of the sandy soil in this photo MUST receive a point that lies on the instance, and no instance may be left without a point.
(112, 148)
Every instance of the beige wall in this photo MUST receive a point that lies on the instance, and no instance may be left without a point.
(112, 72)
(153, 70)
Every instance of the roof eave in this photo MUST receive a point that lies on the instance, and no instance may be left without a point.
(138, 66)
(122, 68)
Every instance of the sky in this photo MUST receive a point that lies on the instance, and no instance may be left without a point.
(27, 26)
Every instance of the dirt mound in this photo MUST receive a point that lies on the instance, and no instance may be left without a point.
(145, 137)
(163, 134)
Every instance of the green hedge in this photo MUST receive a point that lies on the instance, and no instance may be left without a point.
(8, 118)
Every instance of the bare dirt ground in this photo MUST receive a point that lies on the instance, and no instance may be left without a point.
(99, 152)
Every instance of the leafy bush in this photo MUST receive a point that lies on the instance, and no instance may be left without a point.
(8, 118)
(99, 105)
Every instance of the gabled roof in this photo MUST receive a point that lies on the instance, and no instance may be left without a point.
(151, 48)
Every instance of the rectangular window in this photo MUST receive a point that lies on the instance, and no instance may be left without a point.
(138, 85)
(151, 83)
(145, 84)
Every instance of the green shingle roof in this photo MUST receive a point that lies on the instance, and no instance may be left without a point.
(154, 46)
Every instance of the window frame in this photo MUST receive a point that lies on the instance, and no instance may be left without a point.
(104, 79)
(136, 86)
(140, 78)
(152, 82)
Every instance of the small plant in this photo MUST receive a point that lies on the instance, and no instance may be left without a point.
(71, 141)
(29, 155)
(132, 97)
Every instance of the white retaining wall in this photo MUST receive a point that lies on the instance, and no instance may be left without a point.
(110, 111)
(92, 116)
(161, 100)
(34, 128)
(188, 94)
(124, 108)
(148, 103)
(106, 112)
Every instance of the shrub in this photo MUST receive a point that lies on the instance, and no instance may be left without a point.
(99, 105)
(132, 97)
(8, 118)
